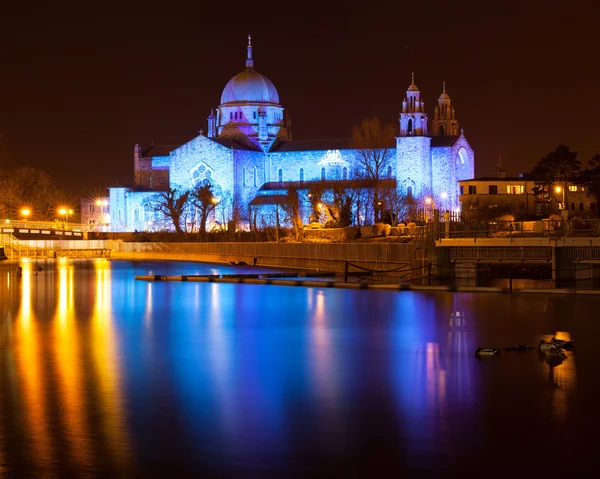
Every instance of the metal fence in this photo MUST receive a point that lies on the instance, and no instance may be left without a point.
(500, 229)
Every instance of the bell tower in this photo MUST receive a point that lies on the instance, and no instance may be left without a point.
(413, 146)
(444, 117)
(413, 119)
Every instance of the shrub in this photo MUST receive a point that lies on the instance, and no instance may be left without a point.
(352, 232)
(378, 229)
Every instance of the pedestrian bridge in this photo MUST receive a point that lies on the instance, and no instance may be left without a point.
(572, 258)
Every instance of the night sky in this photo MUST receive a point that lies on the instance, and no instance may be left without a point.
(79, 86)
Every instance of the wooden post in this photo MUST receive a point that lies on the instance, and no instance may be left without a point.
(346, 272)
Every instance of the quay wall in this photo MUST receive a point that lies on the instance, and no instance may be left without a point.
(328, 256)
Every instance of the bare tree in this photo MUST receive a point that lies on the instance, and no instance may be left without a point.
(172, 204)
(204, 200)
(343, 198)
(374, 143)
(34, 189)
(291, 207)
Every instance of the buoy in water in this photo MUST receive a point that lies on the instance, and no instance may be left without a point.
(487, 352)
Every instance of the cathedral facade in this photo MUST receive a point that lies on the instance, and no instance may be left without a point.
(249, 157)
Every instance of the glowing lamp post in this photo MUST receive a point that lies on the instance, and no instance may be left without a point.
(25, 212)
(64, 212)
(565, 211)
(444, 197)
(103, 217)
(429, 209)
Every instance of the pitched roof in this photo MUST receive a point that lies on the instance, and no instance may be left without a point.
(443, 140)
(525, 177)
(351, 183)
(158, 150)
(269, 200)
(307, 145)
(235, 144)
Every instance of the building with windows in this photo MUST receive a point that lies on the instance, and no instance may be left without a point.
(95, 213)
(517, 196)
(249, 157)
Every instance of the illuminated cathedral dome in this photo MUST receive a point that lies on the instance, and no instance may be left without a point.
(250, 86)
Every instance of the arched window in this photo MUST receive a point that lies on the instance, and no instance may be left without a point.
(280, 175)
(345, 173)
(442, 130)
(254, 115)
(409, 192)
(255, 177)
(322, 174)
(389, 171)
(301, 174)
(230, 116)
(409, 128)
(150, 180)
(245, 173)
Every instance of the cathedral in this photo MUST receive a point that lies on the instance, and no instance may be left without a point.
(249, 157)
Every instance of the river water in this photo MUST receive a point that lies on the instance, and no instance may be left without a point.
(102, 376)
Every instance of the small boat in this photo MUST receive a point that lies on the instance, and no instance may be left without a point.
(563, 343)
(545, 346)
(487, 352)
(555, 351)
(519, 347)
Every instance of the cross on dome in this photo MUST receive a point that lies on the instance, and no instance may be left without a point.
(249, 61)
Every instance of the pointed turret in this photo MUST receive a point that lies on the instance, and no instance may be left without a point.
(413, 119)
(212, 124)
(444, 120)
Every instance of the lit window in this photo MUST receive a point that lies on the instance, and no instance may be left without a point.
(514, 189)
(573, 188)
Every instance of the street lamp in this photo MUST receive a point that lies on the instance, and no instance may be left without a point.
(25, 212)
(429, 203)
(444, 197)
(102, 203)
(65, 213)
(565, 211)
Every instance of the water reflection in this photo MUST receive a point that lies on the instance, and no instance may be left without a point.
(68, 366)
(30, 360)
(106, 365)
(119, 378)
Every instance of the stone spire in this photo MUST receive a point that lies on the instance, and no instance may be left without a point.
(249, 61)
(413, 119)
(444, 118)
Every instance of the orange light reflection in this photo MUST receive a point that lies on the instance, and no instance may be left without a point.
(69, 369)
(30, 362)
(106, 364)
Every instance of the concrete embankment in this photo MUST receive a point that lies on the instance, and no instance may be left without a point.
(253, 279)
